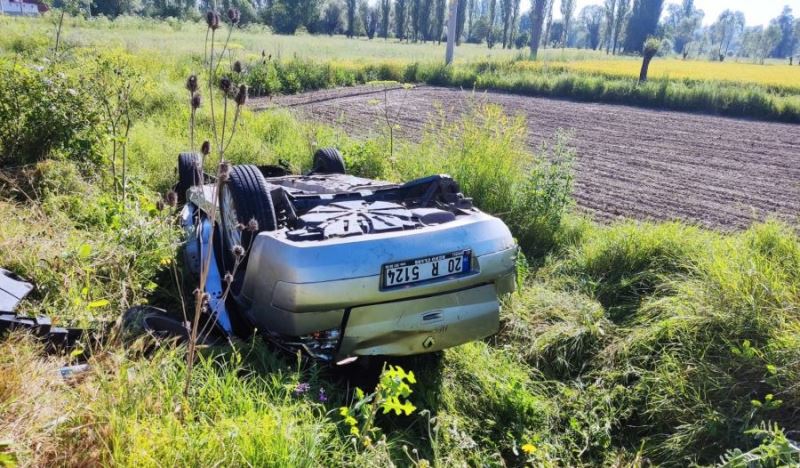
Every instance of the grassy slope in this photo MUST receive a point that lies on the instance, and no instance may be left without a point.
(630, 341)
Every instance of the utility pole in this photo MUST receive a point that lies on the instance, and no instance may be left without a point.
(451, 32)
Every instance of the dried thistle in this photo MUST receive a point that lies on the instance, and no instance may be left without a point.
(191, 83)
(241, 96)
(252, 225)
(212, 20)
(224, 171)
(234, 15)
(205, 148)
(225, 84)
(171, 199)
(228, 278)
(196, 100)
(237, 67)
(160, 205)
(238, 251)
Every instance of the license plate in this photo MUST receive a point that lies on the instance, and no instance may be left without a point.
(425, 269)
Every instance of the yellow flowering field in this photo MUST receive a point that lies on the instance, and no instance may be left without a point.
(778, 75)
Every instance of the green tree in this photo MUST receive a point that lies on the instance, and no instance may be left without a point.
(438, 19)
(537, 21)
(769, 38)
(422, 13)
(370, 18)
(758, 42)
(514, 25)
(620, 22)
(681, 23)
(567, 12)
(400, 14)
(490, 36)
(642, 23)
(506, 9)
(797, 40)
(785, 21)
(472, 5)
(114, 8)
(350, 6)
(591, 17)
(548, 24)
(461, 16)
(728, 26)
(332, 18)
(609, 12)
(285, 16)
(650, 49)
(386, 10)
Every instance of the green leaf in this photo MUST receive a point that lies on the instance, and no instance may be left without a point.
(84, 251)
(98, 303)
(408, 408)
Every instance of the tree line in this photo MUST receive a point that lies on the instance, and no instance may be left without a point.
(615, 26)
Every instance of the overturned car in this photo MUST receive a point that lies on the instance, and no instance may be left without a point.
(340, 266)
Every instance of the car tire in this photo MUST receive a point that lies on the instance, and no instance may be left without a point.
(243, 197)
(328, 161)
(141, 320)
(190, 173)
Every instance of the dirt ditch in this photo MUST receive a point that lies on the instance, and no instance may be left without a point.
(631, 162)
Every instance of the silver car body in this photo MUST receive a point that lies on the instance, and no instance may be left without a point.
(326, 295)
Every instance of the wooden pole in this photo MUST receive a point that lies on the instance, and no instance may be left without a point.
(451, 32)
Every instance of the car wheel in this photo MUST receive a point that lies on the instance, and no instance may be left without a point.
(190, 173)
(243, 197)
(328, 161)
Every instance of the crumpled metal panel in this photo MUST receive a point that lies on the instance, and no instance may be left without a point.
(352, 218)
(12, 290)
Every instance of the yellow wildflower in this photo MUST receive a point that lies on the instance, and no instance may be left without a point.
(529, 448)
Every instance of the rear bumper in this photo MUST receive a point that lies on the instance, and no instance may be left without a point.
(301, 308)
(421, 325)
(353, 292)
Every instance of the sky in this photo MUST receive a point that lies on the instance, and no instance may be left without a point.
(755, 11)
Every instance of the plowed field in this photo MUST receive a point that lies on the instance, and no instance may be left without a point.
(631, 162)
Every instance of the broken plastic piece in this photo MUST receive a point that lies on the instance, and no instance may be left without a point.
(12, 290)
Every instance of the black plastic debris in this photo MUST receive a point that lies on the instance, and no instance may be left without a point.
(13, 290)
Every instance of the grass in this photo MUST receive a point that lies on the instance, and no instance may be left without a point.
(141, 35)
(291, 64)
(627, 344)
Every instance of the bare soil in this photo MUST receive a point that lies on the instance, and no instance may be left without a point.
(631, 162)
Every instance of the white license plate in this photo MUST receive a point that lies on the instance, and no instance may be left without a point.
(425, 269)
